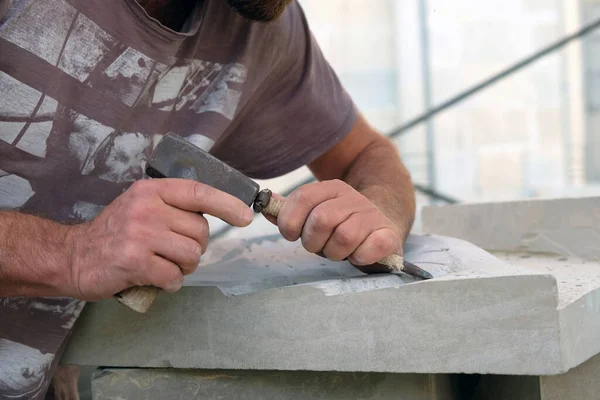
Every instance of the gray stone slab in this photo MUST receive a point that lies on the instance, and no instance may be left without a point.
(569, 227)
(530, 307)
(580, 383)
(480, 315)
(555, 236)
(128, 384)
(506, 387)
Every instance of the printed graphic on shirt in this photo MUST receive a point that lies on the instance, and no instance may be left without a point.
(200, 86)
(27, 357)
(69, 145)
(91, 154)
(22, 377)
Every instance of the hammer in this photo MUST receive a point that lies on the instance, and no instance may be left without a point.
(176, 157)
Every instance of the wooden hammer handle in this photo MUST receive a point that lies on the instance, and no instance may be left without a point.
(394, 262)
(138, 298)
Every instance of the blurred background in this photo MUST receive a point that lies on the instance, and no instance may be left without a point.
(533, 133)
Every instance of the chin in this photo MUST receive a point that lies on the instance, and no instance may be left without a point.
(260, 10)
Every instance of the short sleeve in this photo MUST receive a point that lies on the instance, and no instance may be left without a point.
(4, 4)
(299, 113)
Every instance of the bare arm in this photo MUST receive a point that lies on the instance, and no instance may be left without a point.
(153, 234)
(371, 164)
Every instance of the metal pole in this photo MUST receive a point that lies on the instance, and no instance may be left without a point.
(495, 78)
(565, 101)
(427, 93)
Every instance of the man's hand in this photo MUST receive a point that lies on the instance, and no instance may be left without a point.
(333, 219)
(153, 234)
(363, 208)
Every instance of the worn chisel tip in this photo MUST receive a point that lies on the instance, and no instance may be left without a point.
(412, 269)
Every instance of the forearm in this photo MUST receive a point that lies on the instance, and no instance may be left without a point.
(379, 174)
(33, 256)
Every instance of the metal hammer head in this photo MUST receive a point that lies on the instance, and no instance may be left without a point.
(175, 157)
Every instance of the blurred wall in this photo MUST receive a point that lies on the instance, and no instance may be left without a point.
(590, 10)
(512, 140)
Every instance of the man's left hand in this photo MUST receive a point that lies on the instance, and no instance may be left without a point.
(335, 220)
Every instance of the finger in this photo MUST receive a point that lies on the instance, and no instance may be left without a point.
(164, 274)
(324, 219)
(191, 225)
(377, 245)
(180, 250)
(301, 203)
(197, 197)
(348, 236)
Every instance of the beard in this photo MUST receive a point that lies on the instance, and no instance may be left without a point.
(260, 10)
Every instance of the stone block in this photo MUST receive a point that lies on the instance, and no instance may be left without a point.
(568, 227)
(580, 383)
(268, 305)
(172, 384)
(506, 387)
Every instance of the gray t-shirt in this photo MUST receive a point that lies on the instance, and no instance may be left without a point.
(87, 88)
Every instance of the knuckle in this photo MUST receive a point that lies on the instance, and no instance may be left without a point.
(311, 244)
(193, 251)
(321, 220)
(141, 186)
(191, 269)
(190, 253)
(171, 275)
(131, 230)
(139, 211)
(203, 230)
(171, 280)
(357, 258)
(338, 183)
(334, 253)
(346, 237)
(301, 196)
(130, 253)
(290, 229)
(385, 241)
(197, 191)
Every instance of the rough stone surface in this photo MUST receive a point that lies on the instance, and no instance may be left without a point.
(127, 384)
(364, 323)
(557, 237)
(558, 226)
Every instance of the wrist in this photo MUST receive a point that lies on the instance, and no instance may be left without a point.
(399, 209)
(35, 257)
(55, 259)
(69, 260)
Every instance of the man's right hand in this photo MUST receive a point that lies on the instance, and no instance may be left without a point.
(153, 234)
